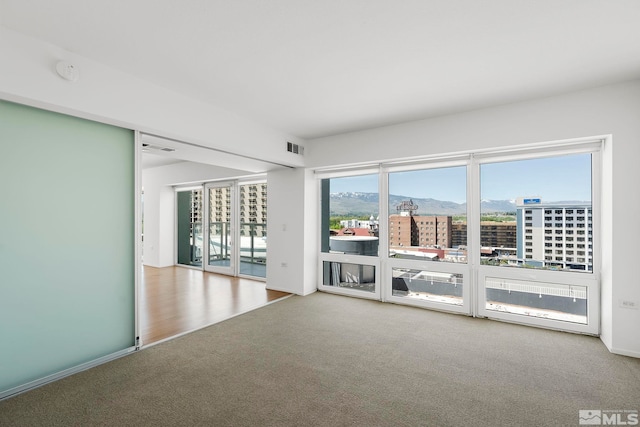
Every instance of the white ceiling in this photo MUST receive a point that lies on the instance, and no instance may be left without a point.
(316, 68)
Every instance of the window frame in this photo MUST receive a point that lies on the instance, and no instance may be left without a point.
(590, 279)
(366, 260)
(389, 263)
(474, 272)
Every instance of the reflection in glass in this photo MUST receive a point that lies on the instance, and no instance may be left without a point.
(353, 276)
(427, 286)
(554, 301)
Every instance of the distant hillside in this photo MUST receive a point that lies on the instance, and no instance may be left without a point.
(366, 204)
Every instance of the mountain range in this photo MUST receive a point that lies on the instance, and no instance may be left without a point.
(360, 204)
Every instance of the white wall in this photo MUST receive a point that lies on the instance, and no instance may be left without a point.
(104, 94)
(159, 205)
(291, 231)
(609, 110)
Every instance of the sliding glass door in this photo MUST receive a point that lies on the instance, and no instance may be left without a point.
(253, 229)
(222, 228)
(220, 250)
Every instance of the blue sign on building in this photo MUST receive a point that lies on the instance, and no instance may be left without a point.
(531, 201)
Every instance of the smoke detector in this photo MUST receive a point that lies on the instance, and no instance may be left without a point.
(68, 71)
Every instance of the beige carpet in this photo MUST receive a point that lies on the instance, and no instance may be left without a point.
(326, 360)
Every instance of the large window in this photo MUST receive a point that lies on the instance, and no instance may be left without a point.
(549, 199)
(510, 234)
(350, 234)
(524, 201)
(427, 235)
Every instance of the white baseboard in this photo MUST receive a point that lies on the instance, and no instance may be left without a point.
(624, 352)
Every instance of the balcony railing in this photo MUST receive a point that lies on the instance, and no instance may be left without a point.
(253, 243)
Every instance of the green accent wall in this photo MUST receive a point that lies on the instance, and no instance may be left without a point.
(67, 264)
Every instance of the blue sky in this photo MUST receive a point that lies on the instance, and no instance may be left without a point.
(552, 179)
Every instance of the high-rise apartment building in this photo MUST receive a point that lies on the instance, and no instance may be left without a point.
(220, 204)
(196, 207)
(253, 210)
(555, 235)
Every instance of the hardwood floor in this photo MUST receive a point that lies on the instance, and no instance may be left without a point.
(174, 300)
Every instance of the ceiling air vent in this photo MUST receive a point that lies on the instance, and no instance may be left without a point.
(295, 148)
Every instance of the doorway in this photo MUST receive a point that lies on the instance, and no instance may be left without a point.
(221, 228)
